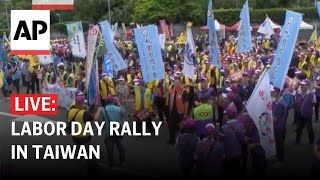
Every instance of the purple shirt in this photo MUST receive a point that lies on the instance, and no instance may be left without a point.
(233, 138)
(209, 157)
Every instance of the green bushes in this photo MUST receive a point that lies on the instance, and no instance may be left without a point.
(231, 16)
(61, 27)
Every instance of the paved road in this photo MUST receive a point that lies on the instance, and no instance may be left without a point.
(147, 156)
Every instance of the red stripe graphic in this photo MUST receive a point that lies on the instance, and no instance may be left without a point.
(30, 52)
(52, 7)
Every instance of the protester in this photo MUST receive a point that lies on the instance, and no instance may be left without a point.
(209, 154)
(112, 112)
(178, 107)
(143, 101)
(233, 140)
(305, 100)
(186, 145)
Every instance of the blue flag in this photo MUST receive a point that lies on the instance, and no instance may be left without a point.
(111, 51)
(318, 8)
(107, 66)
(150, 53)
(92, 88)
(213, 41)
(288, 37)
(244, 35)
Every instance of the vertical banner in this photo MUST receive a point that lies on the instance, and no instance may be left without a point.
(92, 41)
(259, 107)
(111, 51)
(76, 39)
(286, 44)
(213, 41)
(164, 28)
(318, 8)
(107, 66)
(149, 52)
(244, 35)
(188, 68)
(92, 86)
(162, 40)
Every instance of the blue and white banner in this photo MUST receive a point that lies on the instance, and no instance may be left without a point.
(150, 53)
(244, 35)
(111, 51)
(213, 40)
(107, 66)
(188, 67)
(259, 107)
(76, 38)
(288, 37)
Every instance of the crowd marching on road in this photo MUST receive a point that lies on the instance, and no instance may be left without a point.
(206, 118)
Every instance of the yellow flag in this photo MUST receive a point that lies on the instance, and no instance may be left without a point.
(182, 39)
(313, 37)
(189, 24)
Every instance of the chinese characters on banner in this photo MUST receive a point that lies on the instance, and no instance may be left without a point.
(244, 36)
(112, 53)
(286, 44)
(76, 38)
(259, 107)
(149, 52)
(213, 41)
(65, 95)
(92, 40)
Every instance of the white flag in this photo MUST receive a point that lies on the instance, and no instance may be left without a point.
(266, 28)
(259, 107)
(188, 67)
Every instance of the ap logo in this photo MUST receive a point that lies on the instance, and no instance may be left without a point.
(30, 32)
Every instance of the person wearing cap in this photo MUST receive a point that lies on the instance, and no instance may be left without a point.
(235, 73)
(15, 74)
(143, 99)
(113, 112)
(204, 89)
(62, 72)
(160, 92)
(122, 90)
(293, 64)
(178, 103)
(304, 102)
(209, 154)
(211, 72)
(79, 114)
(131, 76)
(280, 114)
(252, 146)
(233, 140)
(203, 114)
(81, 81)
(185, 144)
(70, 81)
(106, 86)
(246, 87)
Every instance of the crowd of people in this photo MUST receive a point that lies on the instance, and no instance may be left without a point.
(206, 117)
